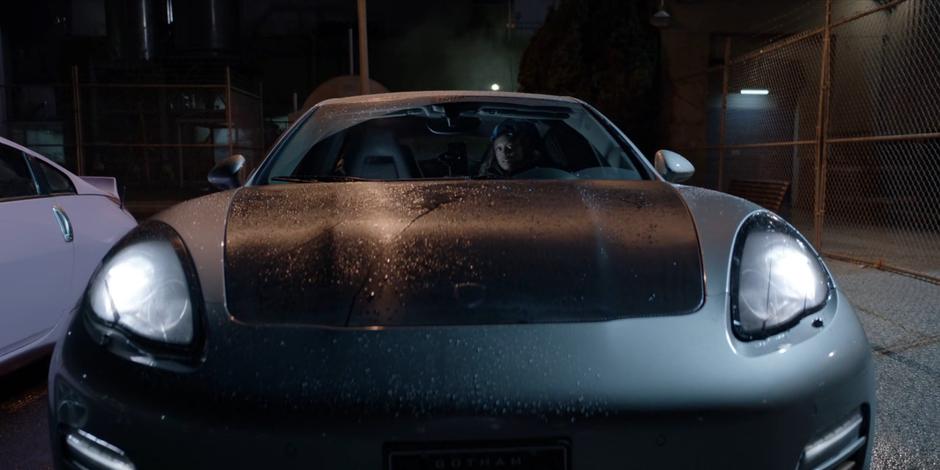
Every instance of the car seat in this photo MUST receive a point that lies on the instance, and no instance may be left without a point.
(374, 153)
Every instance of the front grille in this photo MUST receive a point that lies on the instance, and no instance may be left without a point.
(509, 455)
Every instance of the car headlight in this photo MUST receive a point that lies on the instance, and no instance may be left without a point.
(142, 288)
(776, 278)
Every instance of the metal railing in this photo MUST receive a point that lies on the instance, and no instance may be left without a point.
(849, 115)
(159, 139)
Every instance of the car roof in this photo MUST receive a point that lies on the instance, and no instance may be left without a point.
(444, 96)
(31, 152)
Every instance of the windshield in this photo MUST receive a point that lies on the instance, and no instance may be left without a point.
(465, 139)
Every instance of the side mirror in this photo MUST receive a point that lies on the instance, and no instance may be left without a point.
(672, 166)
(224, 175)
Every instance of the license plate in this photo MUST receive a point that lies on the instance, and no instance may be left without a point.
(525, 457)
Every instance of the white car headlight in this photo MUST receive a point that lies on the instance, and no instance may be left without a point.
(143, 289)
(777, 278)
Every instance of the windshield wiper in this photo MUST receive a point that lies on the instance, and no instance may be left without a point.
(489, 177)
(314, 178)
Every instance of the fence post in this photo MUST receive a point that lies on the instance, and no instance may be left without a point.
(260, 156)
(77, 117)
(363, 48)
(726, 70)
(822, 128)
(228, 110)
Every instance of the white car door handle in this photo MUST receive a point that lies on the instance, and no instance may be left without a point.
(64, 223)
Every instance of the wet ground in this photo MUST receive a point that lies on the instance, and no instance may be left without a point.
(902, 319)
(901, 316)
(24, 430)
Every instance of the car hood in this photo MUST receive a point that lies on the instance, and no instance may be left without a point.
(465, 252)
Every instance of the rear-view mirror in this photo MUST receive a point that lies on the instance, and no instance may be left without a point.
(453, 126)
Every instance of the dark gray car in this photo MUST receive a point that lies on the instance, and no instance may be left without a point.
(462, 280)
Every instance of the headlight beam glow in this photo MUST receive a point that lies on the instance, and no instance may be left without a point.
(779, 279)
(143, 288)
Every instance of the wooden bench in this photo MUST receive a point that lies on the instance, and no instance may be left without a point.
(766, 193)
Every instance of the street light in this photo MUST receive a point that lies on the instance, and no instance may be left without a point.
(661, 19)
(494, 87)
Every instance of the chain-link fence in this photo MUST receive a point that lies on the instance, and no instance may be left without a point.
(158, 133)
(846, 117)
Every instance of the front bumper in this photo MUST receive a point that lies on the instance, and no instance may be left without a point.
(673, 392)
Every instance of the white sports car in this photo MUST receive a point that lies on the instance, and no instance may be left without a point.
(54, 229)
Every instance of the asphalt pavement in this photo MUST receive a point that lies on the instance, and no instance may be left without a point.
(901, 316)
(24, 427)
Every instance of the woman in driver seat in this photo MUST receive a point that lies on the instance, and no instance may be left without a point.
(515, 148)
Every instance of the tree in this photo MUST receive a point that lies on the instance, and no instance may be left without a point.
(605, 53)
